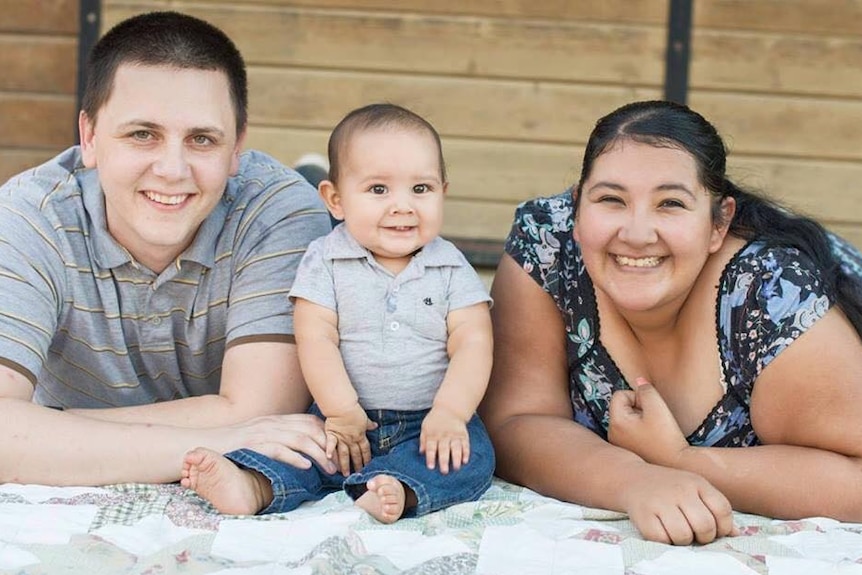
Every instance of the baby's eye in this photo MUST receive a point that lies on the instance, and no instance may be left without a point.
(421, 188)
(377, 189)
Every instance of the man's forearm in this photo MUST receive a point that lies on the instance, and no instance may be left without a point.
(50, 447)
(194, 412)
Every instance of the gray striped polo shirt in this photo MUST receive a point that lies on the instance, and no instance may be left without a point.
(392, 329)
(93, 328)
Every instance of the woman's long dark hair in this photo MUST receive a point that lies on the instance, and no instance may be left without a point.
(666, 124)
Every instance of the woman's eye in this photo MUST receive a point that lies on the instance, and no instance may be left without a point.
(672, 204)
(611, 200)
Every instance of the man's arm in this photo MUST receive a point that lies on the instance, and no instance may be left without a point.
(43, 445)
(258, 378)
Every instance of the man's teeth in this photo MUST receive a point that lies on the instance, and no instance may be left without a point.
(165, 199)
(650, 262)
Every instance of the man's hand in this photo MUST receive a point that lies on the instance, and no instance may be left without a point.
(291, 439)
(345, 435)
(444, 436)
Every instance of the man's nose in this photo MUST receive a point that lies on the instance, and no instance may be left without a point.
(172, 163)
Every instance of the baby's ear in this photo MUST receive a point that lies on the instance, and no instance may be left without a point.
(330, 196)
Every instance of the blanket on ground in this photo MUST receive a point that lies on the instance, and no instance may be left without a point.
(159, 529)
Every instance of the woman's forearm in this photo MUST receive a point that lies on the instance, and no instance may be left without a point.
(782, 481)
(559, 458)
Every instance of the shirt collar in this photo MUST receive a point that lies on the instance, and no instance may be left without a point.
(340, 244)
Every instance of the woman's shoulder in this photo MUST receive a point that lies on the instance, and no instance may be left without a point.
(540, 240)
(551, 212)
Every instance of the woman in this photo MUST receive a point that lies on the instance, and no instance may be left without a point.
(658, 317)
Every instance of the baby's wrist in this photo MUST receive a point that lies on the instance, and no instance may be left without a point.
(458, 413)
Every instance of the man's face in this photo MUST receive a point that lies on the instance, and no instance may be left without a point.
(164, 144)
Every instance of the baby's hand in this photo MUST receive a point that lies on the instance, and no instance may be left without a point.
(345, 434)
(444, 436)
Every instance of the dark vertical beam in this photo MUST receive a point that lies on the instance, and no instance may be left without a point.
(90, 17)
(678, 51)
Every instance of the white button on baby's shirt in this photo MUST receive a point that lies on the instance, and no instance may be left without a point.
(394, 325)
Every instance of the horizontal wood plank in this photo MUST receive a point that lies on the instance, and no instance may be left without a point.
(506, 110)
(488, 47)
(784, 126)
(829, 191)
(478, 169)
(629, 11)
(39, 122)
(39, 16)
(829, 17)
(777, 64)
(38, 64)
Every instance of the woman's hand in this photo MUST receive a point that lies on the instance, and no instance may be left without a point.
(677, 507)
(641, 422)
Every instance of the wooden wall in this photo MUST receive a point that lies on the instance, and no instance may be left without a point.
(514, 86)
(38, 69)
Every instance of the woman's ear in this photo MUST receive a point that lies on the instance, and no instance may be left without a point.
(726, 211)
(330, 196)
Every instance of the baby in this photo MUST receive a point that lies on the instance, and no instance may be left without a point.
(394, 340)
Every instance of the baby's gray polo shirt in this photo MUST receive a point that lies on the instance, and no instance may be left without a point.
(392, 329)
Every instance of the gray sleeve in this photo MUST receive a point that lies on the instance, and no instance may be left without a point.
(281, 214)
(466, 288)
(314, 280)
(32, 284)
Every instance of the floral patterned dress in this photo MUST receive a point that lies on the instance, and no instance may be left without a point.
(768, 297)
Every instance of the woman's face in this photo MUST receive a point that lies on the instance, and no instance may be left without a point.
(645, 226)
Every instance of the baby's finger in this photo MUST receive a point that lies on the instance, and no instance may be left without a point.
(343, 459)
(331, 444)
(430, 454)
(443, 454)
(456, 450)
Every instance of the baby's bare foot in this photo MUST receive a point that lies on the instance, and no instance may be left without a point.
(384, 500)
(217, 479)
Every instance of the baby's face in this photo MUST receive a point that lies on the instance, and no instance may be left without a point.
(391, 192)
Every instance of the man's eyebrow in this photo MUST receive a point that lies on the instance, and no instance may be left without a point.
(131, 124)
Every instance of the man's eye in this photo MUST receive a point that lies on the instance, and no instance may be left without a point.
(142, 135)
(200, 140)
(378, 189)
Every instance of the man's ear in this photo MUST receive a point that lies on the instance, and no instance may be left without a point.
(330, 196)
(87, 132)
(234, 159)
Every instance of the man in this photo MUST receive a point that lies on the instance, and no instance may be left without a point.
(145, 275)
